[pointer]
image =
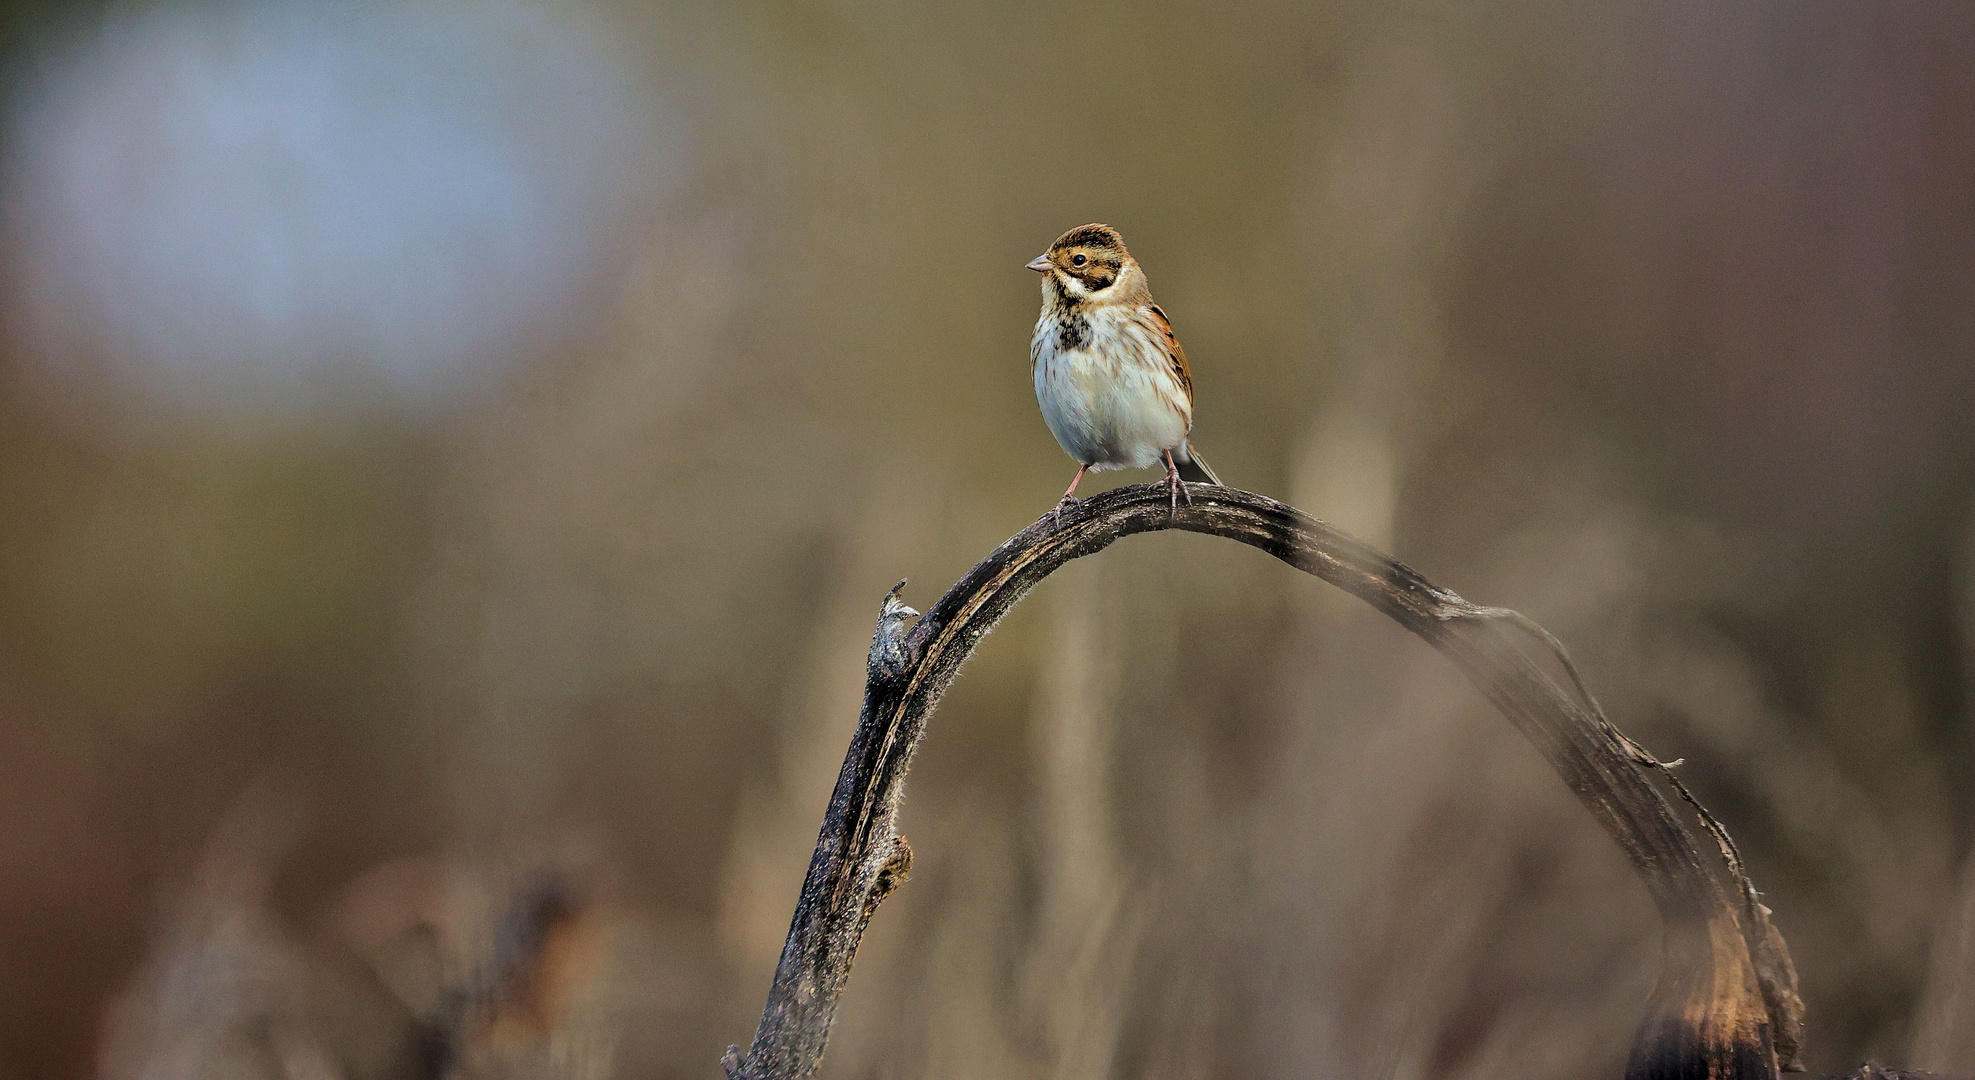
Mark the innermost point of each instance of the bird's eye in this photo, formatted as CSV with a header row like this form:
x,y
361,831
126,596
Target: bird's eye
x,y
1078,260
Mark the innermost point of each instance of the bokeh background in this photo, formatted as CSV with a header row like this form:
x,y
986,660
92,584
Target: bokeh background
x,y
452,452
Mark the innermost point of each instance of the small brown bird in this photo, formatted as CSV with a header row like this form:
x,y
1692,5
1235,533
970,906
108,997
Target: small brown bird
x,y
1110,376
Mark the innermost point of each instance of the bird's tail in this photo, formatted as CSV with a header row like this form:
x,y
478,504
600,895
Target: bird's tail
x,y
1195,471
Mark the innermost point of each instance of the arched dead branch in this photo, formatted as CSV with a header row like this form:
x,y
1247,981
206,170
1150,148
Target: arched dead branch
x,y
1726,1003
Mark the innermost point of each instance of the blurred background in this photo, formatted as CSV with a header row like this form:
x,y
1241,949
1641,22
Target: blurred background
x,y
452,453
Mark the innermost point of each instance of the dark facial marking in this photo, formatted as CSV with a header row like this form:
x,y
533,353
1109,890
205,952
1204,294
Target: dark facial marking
x,y
1098,270
1098,275
1061,295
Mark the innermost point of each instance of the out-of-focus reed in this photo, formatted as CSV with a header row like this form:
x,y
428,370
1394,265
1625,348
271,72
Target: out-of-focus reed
x,y
1646,319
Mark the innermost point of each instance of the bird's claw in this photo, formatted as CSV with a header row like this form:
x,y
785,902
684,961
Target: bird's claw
x,y
1179,491
1067,502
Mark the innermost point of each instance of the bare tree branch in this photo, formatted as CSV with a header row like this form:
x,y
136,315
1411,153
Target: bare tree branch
x,y
1726,1004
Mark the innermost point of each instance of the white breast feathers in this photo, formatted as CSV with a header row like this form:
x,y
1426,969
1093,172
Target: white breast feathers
x,y
1107,387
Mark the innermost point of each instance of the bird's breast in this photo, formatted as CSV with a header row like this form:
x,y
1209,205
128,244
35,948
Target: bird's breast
x,y
1107,388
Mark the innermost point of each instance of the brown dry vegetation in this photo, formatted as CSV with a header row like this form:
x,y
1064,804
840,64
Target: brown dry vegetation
x,y
513,720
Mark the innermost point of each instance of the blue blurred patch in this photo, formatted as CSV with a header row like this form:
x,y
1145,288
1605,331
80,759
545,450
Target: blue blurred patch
x,y
271,207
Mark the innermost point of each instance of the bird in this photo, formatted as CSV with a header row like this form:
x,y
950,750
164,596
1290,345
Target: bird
x,y
1109,372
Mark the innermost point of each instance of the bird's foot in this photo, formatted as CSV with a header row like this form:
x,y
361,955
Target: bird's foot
x,y
1067,502
1179,492
1177,485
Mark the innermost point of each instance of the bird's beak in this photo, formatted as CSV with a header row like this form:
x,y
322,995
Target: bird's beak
x,y
1040,264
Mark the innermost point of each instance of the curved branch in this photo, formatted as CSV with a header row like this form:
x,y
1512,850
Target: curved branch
x,y
1725,1005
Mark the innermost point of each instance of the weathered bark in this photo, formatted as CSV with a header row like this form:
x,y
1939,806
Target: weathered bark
x,y
1725,1005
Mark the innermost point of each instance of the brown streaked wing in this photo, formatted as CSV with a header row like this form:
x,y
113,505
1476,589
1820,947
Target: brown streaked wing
x,y
1173,351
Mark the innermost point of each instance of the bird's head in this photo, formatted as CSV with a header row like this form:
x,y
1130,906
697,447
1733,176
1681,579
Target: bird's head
x,y
1085,261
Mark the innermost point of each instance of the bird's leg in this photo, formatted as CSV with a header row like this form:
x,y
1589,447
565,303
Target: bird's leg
x,y
1070,493
1069,499
1178,485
